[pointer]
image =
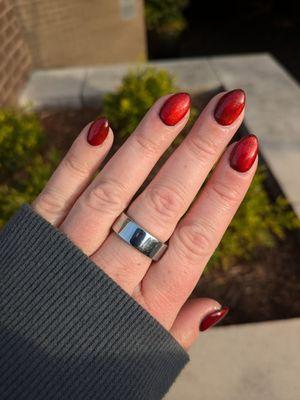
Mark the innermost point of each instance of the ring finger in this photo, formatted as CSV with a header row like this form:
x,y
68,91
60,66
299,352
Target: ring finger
x,y
161,205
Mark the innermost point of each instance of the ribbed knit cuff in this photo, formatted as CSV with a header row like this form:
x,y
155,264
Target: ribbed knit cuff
x,y
67,330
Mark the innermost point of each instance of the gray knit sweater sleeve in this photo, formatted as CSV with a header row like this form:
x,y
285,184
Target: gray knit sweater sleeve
x,y
67,330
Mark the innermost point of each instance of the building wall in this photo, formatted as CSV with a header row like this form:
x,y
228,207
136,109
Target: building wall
x,y
63,33
15,57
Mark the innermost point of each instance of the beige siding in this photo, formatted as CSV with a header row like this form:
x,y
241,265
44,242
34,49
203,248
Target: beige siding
x,y
64,33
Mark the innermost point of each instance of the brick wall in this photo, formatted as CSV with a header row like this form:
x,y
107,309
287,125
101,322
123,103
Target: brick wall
x,y
64,33
14,54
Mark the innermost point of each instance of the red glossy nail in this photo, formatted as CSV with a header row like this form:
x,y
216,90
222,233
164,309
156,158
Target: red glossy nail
x,y
230,106
244,153
175,108
213,318
98,132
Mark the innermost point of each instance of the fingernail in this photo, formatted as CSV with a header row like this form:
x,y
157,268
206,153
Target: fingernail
x,y
213,318
230,106
175,108
98,132
244,153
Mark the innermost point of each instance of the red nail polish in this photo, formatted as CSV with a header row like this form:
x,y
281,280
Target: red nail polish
x,y
244,153
98,131
230,106
213,318
175,108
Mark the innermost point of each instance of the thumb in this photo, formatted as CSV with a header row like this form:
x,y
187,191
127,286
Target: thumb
x,y
196,315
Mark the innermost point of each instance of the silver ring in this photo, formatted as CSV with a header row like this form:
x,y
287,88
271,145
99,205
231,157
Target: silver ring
x,y
135,235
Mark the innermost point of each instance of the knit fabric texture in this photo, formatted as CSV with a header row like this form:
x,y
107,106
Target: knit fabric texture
x,y
67,330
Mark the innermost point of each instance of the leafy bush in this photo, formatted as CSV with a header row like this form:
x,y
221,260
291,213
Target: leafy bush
x,y
257,224
165,16
20,137
139,90
24,171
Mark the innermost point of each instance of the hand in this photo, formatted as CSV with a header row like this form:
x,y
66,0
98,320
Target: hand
x,y
85,208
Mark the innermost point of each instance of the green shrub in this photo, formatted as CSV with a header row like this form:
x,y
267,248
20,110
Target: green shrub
x,y
139,90
20,137
257,224
165,16
24,170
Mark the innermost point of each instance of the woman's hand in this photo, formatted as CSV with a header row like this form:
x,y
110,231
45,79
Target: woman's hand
x,y
85,209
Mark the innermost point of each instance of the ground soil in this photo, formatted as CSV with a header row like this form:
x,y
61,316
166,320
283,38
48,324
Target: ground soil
x,y
265,289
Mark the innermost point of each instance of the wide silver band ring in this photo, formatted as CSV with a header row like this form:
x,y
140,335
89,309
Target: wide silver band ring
x,y
136,236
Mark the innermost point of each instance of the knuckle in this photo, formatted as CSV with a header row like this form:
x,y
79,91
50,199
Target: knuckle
x,y
77,167
193,242
106,196
48,203
166,202
227,194
144,144
201,147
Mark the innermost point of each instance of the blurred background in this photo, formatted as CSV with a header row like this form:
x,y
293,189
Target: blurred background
x,y
60,33
64,63
234,27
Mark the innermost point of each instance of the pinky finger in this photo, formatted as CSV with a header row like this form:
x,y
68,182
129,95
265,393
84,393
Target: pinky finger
x,y
75,172
196,315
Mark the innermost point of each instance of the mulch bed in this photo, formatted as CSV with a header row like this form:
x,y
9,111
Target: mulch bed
x,y
265,289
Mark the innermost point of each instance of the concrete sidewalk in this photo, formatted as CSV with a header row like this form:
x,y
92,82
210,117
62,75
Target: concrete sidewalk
x,y
243,362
